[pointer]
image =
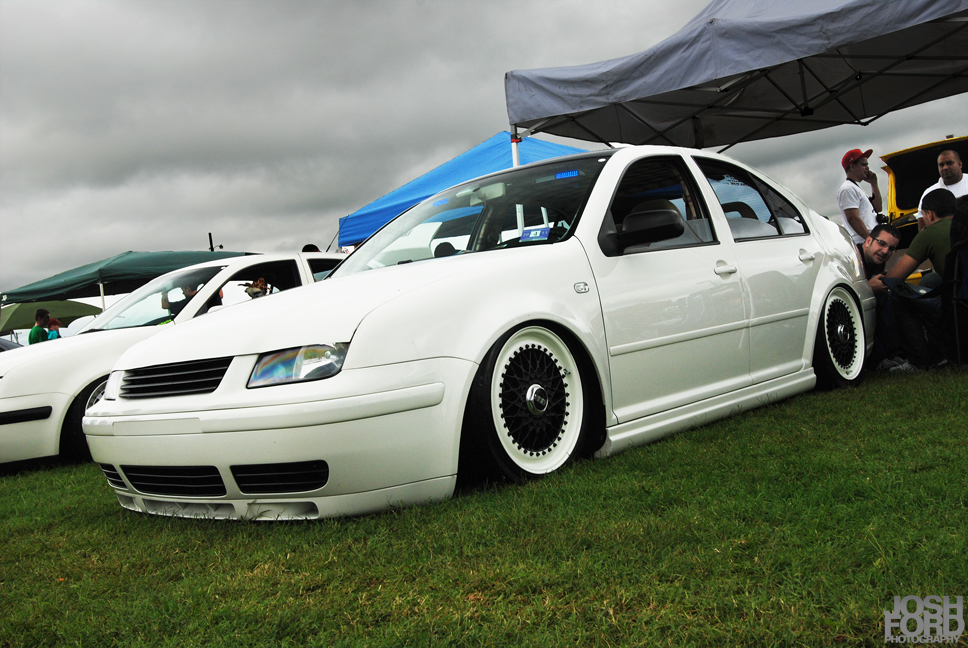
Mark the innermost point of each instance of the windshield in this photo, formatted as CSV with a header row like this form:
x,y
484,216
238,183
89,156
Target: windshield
x,y
156,302
533,205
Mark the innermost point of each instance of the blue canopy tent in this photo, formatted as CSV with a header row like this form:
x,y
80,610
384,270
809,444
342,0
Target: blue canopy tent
x,y
489,156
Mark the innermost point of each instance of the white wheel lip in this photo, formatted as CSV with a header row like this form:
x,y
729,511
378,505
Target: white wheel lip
x,y
853,370
557,457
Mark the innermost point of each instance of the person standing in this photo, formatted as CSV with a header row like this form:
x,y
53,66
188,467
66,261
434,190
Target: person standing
x,y
859,211
952,178
54,331
41,321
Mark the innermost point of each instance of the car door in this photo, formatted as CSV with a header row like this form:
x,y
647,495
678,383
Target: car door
x,y
778,258
675,311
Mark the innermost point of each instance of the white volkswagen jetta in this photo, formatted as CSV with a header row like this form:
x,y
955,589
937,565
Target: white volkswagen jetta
x,y
45,388
569,308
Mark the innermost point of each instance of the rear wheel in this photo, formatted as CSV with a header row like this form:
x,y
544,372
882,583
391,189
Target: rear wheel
x,y
528,410
838,356
73,443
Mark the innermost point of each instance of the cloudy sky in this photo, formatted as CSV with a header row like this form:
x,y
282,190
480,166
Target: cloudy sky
x,y
147,125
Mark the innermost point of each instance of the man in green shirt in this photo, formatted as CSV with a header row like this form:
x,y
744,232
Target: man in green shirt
x,y
918,319
41,322
934,241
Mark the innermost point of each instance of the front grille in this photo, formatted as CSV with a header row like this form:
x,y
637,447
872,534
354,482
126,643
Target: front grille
x,y
184,481
176,379
298,477
112,475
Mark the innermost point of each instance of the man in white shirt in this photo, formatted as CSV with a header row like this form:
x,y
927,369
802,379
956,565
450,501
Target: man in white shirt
x,y
952,179
859,211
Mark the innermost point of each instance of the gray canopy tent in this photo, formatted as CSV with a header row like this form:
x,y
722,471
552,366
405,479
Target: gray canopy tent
x,y
742,71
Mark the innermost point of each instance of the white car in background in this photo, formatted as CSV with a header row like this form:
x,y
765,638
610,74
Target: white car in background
x,y
572,307
45,388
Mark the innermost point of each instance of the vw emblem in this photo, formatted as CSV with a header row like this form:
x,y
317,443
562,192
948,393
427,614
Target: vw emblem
x,y
537,400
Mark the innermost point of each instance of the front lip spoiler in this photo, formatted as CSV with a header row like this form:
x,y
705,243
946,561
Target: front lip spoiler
x,y
24,415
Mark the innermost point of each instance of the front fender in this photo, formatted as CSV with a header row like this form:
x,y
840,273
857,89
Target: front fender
x,y
462,316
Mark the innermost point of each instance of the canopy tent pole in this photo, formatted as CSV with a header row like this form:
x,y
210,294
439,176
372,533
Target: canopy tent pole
x,y
515,140
101,286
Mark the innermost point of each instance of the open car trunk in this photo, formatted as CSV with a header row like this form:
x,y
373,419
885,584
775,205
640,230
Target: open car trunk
x,y
909,173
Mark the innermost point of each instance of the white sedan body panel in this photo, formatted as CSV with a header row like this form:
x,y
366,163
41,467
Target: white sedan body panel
x,y
53,374
677,324
676,336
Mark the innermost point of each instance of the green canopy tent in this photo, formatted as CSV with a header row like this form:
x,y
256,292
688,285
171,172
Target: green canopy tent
x,y
21,315
119,274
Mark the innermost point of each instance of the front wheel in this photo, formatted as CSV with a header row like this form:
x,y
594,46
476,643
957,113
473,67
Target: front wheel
x,y
838,355
527,412
73,443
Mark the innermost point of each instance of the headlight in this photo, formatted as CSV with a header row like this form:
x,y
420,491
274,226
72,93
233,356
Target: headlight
x,y
113,388
298,365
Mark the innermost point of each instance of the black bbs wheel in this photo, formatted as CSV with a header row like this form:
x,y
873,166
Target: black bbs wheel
x,y
527,408
838,356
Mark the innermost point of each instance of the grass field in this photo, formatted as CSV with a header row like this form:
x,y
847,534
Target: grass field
x,y
793,525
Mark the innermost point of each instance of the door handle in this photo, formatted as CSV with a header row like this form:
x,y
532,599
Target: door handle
x,y
725,269
807,256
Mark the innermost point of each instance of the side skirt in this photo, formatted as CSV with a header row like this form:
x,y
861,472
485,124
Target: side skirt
x,y
652,428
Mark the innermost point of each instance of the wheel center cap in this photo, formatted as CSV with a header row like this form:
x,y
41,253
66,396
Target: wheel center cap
x,y
537,400
843,333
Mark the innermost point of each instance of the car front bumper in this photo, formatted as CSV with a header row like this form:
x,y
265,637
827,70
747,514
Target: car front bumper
x,y
388,436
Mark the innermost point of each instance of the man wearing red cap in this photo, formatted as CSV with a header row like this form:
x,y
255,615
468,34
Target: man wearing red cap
x,y
859,211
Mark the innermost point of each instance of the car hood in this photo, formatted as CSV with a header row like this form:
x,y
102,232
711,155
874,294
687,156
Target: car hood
x,y
326,312
49,353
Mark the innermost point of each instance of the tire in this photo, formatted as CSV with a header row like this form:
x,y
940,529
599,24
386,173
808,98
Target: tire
x,y
73,443
839,352
530,409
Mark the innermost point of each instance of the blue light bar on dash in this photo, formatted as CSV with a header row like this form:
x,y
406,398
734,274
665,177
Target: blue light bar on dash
x,y
566,174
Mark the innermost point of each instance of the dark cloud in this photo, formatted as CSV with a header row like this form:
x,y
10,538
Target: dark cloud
x,y
147,125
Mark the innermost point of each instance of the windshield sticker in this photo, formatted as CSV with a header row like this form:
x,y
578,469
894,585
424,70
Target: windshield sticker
x,y
537,234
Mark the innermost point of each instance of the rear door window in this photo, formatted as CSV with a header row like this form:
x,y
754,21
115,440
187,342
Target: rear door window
x,y
753,209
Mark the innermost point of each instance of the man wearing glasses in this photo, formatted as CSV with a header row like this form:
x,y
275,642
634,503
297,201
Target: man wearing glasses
x,y
876,251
